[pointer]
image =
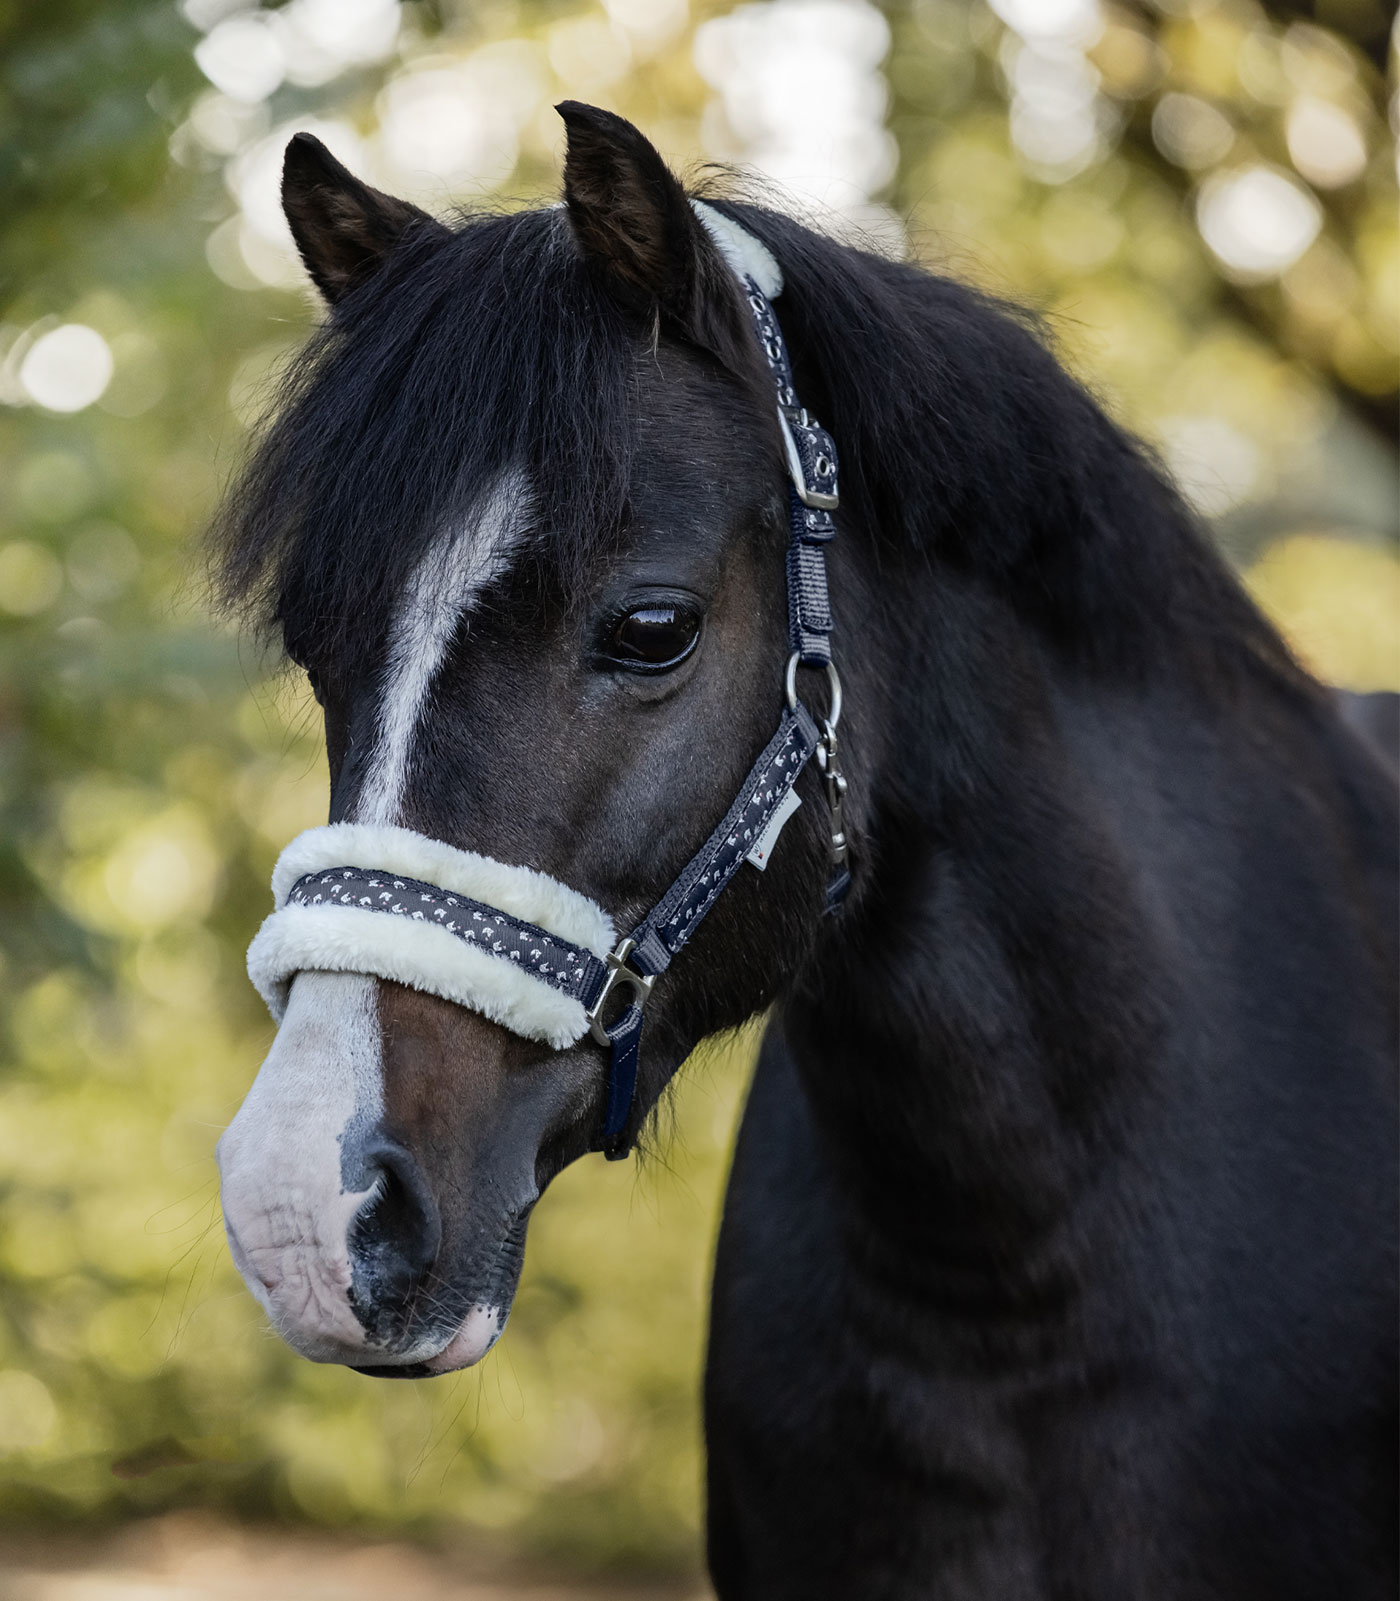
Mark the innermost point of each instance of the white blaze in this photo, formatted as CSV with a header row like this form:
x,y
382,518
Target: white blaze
x,y
448,578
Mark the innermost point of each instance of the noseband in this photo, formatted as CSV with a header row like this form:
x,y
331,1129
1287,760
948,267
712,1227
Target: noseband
x,y
518,946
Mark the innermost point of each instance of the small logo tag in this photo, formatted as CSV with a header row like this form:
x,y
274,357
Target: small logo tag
x,y
763,845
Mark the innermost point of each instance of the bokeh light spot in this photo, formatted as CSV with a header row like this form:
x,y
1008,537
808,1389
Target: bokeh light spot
x,y
27,1412
224,125
242,56
164,872
54,486
1190,131
651,23
1326,144
102,560
1338,602
67,368
320,39
444,126
1072,22
589,54
801,96
1214,464
1080,230
30,578
1256,220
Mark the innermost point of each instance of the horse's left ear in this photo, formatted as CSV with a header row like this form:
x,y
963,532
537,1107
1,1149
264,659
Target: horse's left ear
x,y
344,230
632,220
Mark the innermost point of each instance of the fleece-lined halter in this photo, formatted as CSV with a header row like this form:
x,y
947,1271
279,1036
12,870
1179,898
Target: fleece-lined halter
x,y
518,946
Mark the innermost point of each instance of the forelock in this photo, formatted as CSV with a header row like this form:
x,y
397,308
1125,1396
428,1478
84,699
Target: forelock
x,y
491,352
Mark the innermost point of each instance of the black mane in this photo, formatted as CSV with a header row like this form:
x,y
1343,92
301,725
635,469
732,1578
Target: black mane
x,y
959,433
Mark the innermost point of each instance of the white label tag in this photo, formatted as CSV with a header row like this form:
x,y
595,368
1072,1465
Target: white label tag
x,y
763,845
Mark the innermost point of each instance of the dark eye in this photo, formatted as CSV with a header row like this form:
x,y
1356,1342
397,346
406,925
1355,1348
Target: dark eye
x,y
653,638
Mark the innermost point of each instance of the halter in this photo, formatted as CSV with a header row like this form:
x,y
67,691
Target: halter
x,y
520,947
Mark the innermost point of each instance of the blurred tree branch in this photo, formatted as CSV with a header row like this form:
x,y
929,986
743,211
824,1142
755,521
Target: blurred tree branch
x,y
1347,40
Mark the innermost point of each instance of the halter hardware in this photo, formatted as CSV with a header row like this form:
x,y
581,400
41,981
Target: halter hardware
x,y
620,976
834,781
833,680
811,457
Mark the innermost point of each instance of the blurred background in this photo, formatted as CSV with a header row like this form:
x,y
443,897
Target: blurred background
x,y
1199,196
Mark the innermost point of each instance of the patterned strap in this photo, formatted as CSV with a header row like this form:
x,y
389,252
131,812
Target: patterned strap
x,y
560,964
812,464
668,926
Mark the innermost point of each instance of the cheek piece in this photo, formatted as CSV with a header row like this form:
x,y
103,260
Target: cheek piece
x,y
518,946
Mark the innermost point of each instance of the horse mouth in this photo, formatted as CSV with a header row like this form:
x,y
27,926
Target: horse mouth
x,y
477,1330
473,1339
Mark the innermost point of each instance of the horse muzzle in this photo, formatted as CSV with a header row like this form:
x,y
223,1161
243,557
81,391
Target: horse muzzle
x,y
333,1224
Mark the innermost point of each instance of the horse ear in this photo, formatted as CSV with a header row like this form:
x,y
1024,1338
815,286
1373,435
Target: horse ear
x,y
632,220
343,229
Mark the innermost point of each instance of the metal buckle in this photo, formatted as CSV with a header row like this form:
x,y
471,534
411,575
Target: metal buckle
x,y
790,417
619,975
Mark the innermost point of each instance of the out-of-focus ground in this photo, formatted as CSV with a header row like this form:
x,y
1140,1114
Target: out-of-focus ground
x,y
189,1557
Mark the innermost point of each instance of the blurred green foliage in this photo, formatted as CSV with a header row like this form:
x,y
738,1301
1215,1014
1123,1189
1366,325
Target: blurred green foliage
x,y
151,764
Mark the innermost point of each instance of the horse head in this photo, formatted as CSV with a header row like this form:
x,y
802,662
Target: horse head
x,y
522,520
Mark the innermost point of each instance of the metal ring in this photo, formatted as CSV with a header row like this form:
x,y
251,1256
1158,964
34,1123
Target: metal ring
x,y
833,678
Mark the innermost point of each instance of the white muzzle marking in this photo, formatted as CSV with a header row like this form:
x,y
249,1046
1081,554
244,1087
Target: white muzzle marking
x,y
283,1163
286,1208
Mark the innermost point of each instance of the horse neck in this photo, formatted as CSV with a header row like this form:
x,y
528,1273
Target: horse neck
x,y
983,1029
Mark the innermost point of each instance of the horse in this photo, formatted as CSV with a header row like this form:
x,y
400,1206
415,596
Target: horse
x,y
1058,1252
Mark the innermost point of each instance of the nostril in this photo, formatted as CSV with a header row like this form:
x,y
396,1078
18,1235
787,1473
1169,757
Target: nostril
x,y
395,1239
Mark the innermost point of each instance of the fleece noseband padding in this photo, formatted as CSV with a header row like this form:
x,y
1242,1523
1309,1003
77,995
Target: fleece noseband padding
x,y
465,927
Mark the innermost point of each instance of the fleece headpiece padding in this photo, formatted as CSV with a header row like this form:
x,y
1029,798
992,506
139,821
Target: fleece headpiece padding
x,y
747,257
344,939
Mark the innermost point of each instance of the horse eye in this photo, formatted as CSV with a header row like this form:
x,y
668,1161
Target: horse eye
x,y
653,638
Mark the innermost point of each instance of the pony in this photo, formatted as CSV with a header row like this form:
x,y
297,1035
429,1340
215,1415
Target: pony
x,y
1058,1252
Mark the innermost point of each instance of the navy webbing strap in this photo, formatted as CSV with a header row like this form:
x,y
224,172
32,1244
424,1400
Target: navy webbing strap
x,y
624,1049
809,608
812,494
